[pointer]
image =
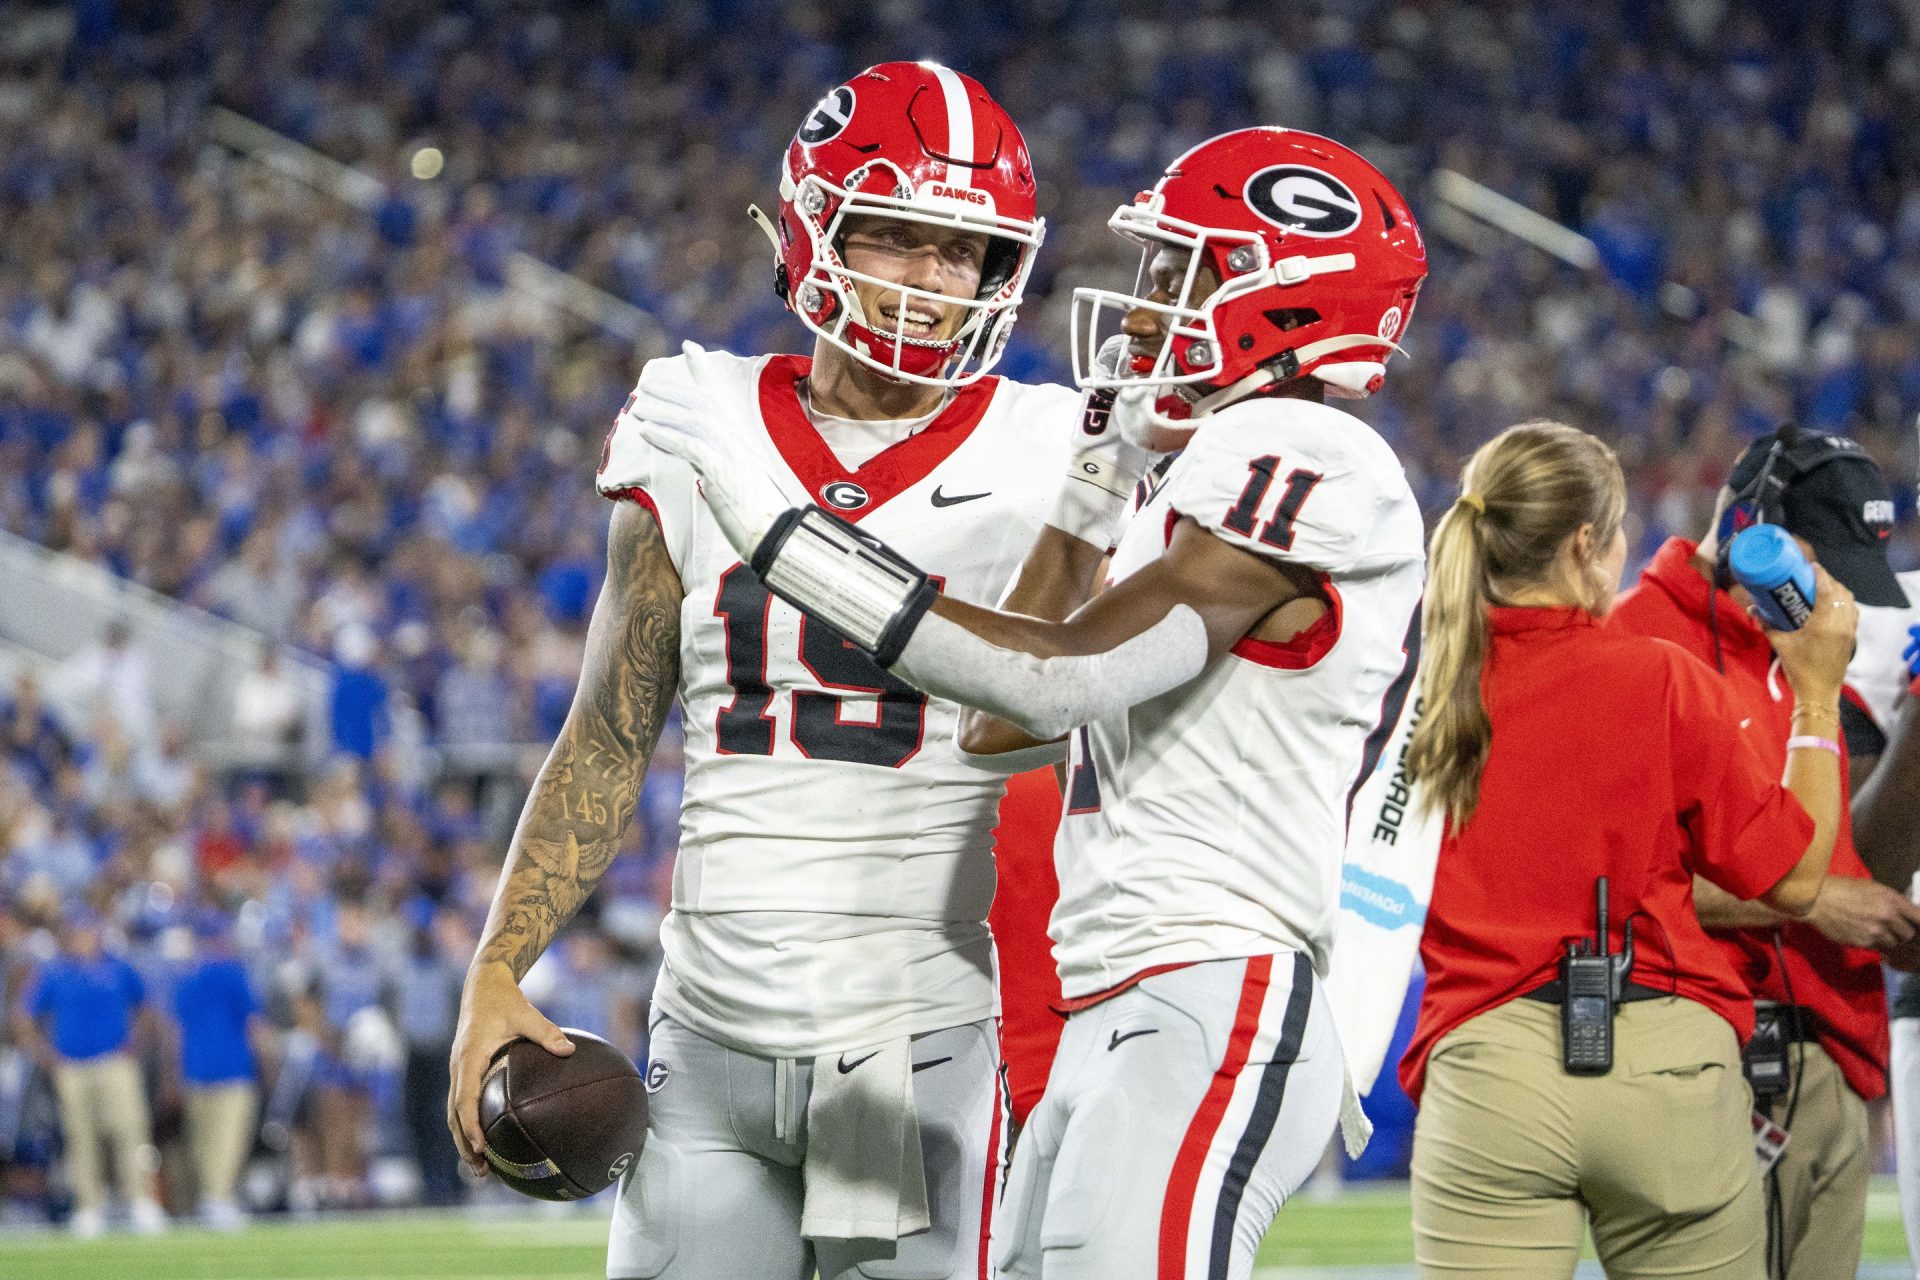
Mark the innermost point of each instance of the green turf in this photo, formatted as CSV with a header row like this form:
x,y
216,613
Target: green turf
x,y
1361,1227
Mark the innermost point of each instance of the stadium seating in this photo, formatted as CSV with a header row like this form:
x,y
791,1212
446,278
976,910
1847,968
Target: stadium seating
x,y
329,408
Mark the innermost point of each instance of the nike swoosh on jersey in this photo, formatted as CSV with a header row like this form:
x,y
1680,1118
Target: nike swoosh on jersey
x,y
846,1066
931,1062
1119,1039
942,500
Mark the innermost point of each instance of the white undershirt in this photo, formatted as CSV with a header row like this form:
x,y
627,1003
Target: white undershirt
x,y
858,441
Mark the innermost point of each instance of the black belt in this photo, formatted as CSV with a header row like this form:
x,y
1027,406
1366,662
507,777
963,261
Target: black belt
x,y
1555,992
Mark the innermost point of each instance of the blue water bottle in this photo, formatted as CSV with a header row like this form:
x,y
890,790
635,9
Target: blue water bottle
x,y
1768,563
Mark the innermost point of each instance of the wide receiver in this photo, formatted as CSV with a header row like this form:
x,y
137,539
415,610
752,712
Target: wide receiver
x,y
1223,695
822,1057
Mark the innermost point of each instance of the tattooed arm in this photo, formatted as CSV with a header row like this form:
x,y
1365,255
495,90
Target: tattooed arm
x,y
579,808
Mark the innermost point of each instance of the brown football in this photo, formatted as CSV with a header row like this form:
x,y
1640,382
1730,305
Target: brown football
x,y
562,1128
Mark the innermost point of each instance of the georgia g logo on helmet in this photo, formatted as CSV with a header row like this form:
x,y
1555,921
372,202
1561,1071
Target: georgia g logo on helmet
x,y
825,121
1308,201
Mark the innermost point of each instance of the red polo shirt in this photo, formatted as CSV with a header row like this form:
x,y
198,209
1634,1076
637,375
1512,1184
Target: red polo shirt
x,y
1841,984
1612,755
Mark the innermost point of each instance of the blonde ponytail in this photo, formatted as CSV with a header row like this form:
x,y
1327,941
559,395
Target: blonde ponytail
x,y
1522,495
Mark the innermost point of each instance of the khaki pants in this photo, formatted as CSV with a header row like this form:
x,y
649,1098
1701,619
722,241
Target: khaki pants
x,y
1512,1156
102,1098
220,1133
1822,1177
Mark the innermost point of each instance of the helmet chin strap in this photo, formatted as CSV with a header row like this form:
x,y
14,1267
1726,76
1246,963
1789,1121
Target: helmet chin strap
x,y
765,223
1351,379
1140,425
1278,370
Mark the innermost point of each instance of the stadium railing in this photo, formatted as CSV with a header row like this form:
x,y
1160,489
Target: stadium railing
x,y
57,604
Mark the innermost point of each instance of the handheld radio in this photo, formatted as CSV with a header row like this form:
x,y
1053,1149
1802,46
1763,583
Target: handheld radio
x,y
1592,980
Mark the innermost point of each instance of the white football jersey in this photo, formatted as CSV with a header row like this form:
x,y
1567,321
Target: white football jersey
x,y
1210,823
836,856
1878,673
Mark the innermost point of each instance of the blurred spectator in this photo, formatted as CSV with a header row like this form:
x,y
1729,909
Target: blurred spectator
x,y
269,713
108,679
33,741
166,775
80,1019
359,700
473,704
50,849
110,769
70,325
347,986
219,1020
261,588
425,987
578,985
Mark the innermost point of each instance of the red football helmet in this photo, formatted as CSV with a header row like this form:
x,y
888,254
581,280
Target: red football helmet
x,y
1318,261
921,143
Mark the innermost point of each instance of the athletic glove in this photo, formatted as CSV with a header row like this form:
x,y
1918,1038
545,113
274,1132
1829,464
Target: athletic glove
x,y
1105,469
678,417
1912,655
807,556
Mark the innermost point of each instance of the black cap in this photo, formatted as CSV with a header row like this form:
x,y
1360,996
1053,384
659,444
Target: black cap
x,y
1832,494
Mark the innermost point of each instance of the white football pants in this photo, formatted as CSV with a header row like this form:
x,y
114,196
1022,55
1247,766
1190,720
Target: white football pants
x,y
1180,1115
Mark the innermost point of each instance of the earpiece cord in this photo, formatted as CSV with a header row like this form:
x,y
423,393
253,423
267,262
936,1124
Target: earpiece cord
x,y
1673,969
1776,1209
1713,626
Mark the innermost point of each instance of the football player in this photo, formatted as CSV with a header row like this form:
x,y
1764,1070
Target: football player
x,y
1885,673
1223,695
823,1058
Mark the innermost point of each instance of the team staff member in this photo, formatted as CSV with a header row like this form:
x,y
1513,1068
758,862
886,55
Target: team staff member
x,y
1562,751
221,1029
87,1020
1819,979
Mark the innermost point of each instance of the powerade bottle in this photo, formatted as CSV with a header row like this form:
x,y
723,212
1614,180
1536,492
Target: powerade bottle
x,y
1767,561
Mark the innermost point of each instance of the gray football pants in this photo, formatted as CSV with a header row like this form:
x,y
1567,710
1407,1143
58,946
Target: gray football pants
x,y
718,1189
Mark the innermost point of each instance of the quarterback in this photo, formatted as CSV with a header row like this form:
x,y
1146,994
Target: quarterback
x,y
823,1057
1222,697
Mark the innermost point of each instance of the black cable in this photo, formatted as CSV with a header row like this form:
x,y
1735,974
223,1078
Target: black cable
x,y
1776,1208
1713,626
1776,1228
1673,967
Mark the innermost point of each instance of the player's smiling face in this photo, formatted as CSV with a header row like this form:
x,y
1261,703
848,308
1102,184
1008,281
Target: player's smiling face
x,y
1146,329
938,260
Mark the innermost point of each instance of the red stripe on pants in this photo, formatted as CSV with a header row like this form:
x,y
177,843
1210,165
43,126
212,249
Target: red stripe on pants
x,y
1176,1211
993,1172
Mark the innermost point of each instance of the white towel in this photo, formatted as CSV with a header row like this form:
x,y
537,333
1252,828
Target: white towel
x,y
866,1178
1387,880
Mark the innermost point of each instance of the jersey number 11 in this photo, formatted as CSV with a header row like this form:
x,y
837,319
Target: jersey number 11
x,y
1279,531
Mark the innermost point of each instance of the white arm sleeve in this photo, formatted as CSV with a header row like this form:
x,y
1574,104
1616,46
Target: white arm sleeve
x,y
1048,697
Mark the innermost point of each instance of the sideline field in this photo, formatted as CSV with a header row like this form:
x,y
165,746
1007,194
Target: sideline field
x,y
1362,1235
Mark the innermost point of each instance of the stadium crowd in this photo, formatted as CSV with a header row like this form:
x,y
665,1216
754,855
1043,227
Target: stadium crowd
x,y
345,430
